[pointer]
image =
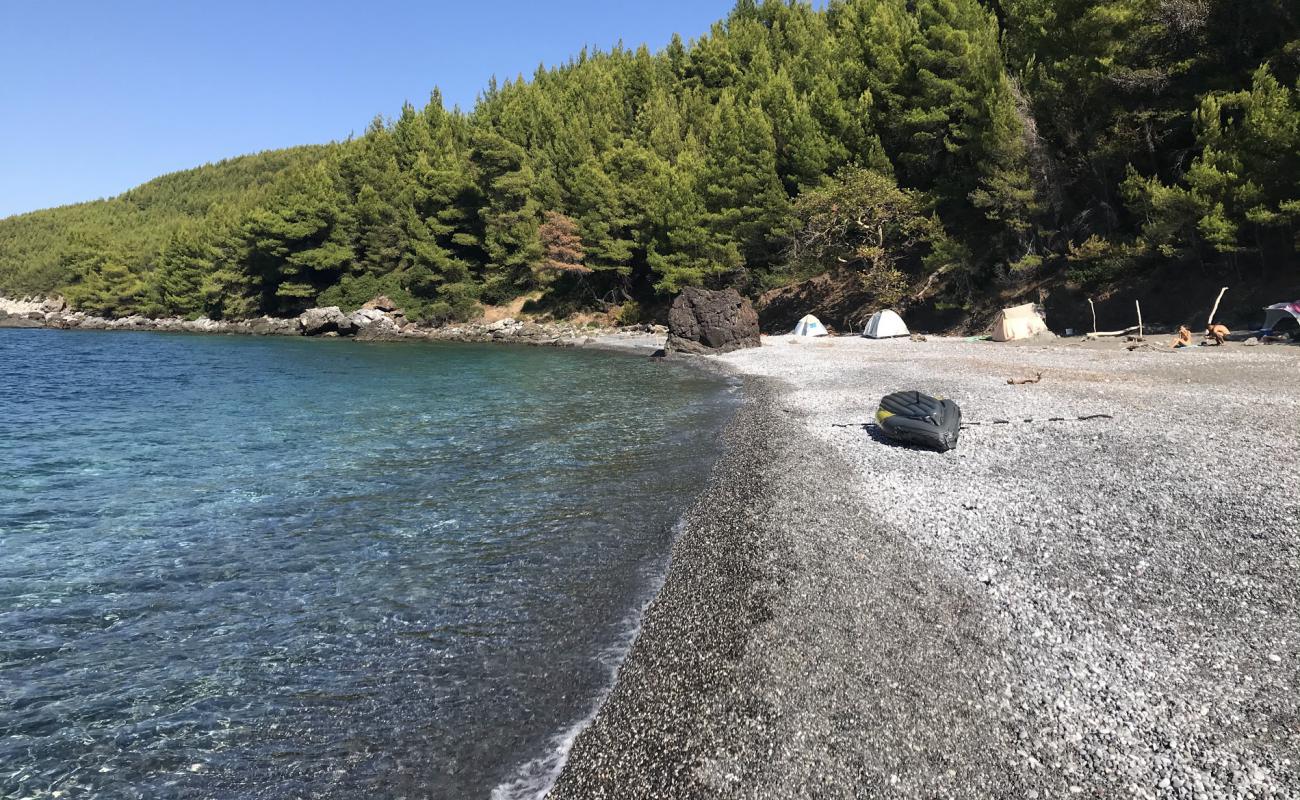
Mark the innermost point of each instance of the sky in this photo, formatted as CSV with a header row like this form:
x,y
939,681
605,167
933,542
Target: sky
x,y
97,96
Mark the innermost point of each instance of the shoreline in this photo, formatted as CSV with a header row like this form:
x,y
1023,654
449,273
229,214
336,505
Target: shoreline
x,y
362,326
1055,609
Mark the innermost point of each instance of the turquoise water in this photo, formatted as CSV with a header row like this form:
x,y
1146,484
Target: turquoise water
x,y
272,568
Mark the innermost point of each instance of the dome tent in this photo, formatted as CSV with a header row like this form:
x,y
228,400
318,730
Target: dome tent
x,y
885,325
1021,322
809,326
1280,311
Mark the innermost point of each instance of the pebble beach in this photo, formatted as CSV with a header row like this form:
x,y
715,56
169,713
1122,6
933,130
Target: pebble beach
x,y
1060,607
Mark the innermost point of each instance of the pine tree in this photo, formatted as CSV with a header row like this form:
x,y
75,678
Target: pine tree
x,y
511,216
686,251
748,210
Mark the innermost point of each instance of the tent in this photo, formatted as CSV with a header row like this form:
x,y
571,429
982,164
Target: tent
x,y
1277,313
1021,322
885,325
809,326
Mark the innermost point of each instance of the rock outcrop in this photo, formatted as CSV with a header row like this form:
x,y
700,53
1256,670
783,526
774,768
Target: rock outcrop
x,y
8,320
330,319
380,303
374,325
274,326
364,324
702,321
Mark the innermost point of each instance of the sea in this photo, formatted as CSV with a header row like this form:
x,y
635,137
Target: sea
x,y
239,567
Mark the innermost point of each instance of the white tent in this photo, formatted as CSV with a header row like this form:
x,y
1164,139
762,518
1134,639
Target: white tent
x,y
1021,322
885,325
809,326
1277,313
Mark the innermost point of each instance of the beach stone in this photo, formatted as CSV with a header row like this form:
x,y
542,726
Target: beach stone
x,y
54,305
330,319
704,321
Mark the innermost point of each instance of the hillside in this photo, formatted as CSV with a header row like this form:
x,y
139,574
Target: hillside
x,y
138,222
936,155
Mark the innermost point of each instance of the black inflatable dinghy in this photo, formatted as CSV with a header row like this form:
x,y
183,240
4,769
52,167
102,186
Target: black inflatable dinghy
x,y
920,419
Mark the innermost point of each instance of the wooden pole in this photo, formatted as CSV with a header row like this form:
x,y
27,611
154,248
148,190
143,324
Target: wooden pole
x,y
1215,310
1139,308
1094,315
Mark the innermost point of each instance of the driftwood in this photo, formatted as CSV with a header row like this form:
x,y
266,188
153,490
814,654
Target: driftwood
x,y
1094,316
1210,322
1124,332
1022,381
1139,308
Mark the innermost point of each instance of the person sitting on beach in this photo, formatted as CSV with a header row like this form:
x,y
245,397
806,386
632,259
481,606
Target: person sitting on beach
x,y
1219,333
1184,337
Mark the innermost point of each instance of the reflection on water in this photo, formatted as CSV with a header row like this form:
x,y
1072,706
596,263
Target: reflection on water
x,y
236,567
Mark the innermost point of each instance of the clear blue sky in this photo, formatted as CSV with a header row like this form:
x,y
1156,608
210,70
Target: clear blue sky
x,y
97,96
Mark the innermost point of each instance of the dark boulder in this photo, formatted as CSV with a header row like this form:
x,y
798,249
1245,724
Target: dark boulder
x,y
702,321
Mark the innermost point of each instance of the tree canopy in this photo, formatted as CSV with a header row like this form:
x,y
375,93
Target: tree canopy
x,y
1103,137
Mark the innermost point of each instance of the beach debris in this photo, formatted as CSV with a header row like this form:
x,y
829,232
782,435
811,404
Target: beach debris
x,y
1085,418
1024,381
1125,332
1215,310
918,337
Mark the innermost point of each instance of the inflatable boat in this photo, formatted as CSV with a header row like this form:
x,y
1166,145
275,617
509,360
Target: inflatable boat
x,y
919,419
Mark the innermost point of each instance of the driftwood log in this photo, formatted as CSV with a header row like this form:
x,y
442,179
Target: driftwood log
x,y
1022,381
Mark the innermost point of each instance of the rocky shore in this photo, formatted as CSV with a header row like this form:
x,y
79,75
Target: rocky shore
x,y
1058,608
375,322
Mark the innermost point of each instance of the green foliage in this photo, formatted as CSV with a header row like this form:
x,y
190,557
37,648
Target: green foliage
x,y
631,313
1242,192
862,222
1091,135
136,225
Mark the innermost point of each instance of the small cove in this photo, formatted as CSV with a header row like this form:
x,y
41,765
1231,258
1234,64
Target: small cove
x,y
248,567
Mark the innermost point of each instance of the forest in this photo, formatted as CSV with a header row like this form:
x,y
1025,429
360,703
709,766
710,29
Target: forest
x,y
919,151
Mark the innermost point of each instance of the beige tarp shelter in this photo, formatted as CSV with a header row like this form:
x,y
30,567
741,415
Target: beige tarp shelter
x,y
1021,322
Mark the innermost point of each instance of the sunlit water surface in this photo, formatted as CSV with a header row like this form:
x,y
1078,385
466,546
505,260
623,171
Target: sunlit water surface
x,y
239,567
